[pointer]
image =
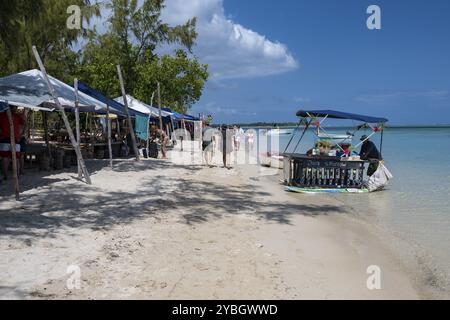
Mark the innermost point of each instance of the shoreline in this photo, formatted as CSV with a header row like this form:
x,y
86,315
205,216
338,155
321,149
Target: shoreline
x,y
428,278
165,230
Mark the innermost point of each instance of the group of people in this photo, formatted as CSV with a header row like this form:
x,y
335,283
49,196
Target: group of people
x,y
150,146
19,123
226,139
369,152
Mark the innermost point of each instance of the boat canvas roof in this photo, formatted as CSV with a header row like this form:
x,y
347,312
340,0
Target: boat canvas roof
x,y
332,114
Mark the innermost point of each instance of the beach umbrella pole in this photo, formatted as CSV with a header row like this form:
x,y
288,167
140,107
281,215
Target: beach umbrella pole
x,y
64,117
130,124
13,153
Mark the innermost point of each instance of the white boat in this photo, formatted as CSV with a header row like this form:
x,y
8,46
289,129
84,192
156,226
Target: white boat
x,y
272,160
279,132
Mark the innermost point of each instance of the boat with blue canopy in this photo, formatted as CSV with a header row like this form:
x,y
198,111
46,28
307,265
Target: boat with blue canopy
x,y
332,165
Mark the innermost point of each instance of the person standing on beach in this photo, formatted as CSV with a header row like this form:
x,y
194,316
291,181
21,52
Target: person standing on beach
x,y
164,140
250,140
208,143
226,144
237,134
5,138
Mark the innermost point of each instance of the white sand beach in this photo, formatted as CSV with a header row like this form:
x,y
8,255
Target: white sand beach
x,y
167,230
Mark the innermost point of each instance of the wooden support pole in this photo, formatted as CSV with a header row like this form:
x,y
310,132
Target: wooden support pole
x,y
77,124
13,152
87,123
32,126
45,125
159,107
130,124
46,138
148,134
64,116
173,128
108,123
118,128
148,125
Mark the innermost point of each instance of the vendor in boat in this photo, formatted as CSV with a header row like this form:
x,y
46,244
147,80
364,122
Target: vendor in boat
x,y
369,152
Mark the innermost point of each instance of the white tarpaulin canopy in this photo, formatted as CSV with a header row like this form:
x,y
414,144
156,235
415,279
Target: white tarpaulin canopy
x,y
29,89
142,107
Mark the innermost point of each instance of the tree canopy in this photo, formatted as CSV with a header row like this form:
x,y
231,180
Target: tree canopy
x,y
132,39
41,23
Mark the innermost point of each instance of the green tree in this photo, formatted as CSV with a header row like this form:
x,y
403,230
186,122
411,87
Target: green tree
x,y
98,67
42,23
135,33
182,80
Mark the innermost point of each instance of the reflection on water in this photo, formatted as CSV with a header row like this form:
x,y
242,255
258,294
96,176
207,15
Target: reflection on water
x,y
416,205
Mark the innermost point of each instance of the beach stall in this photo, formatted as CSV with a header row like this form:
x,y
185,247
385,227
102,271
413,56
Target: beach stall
x,y
29,91
184,121
332,164
143,129
150,111
138,115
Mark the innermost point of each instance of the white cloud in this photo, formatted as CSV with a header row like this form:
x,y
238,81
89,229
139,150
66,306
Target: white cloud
x,y
231,50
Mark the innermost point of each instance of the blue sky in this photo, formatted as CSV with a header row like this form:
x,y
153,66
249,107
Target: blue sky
x,y
269,59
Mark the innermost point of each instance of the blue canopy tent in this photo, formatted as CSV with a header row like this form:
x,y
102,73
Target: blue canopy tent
x,y
3,106
116,107
179,116
191,118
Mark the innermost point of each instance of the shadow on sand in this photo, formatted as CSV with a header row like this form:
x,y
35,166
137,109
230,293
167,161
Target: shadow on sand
x,y
77,205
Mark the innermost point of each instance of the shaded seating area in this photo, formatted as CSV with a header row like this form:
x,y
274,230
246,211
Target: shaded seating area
x,y
47,140
52,111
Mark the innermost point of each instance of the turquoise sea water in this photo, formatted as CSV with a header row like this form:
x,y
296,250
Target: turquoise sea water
x,y
416,205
